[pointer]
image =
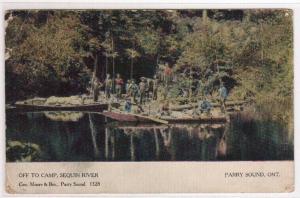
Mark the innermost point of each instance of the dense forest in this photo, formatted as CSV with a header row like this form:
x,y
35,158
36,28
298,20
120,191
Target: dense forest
x,y
56,52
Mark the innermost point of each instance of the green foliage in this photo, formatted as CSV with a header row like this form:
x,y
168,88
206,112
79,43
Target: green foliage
x,y
258,50
46,57
132,53
54,52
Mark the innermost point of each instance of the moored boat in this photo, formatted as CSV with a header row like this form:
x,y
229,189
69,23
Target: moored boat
x,y
198,119
83,107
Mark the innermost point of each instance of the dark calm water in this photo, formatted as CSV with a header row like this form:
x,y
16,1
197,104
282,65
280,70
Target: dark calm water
x,y
65,136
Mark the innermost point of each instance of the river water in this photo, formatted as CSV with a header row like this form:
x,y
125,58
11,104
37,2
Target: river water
x,y
77,136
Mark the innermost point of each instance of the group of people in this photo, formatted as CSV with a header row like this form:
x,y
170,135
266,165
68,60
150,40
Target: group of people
x,y
138,93
204,106
147,89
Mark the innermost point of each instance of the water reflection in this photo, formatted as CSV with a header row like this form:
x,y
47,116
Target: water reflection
x,y
64,116
91,138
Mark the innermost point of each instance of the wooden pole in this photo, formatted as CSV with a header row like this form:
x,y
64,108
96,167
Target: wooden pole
x,y
262,44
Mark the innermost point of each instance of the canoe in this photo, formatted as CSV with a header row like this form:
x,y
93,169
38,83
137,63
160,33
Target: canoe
x,y
84,107
198,119
230,104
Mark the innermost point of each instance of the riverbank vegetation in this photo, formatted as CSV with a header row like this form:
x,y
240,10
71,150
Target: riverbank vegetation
x,y
56,52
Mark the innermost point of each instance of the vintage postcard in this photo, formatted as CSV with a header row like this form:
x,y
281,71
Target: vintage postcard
x,y
149,101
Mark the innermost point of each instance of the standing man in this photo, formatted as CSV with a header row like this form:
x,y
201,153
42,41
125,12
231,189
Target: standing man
x,y
90,88
223,96
190,86
108,86
128,87
119,83
148,87
133,90
155,87
200,88
142,86
167,74
96,88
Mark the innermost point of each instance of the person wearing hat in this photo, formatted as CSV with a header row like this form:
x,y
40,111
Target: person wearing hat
x,y
223,96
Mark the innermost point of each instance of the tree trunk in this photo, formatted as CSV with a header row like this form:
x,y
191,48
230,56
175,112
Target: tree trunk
x,y
95,65
157,62
106,66
113,65
262,44
131,69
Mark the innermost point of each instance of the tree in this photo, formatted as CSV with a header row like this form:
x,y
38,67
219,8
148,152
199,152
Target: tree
x,y
45,54
132,54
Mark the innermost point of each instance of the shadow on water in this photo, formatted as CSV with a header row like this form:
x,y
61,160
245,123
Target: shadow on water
x,y
77,136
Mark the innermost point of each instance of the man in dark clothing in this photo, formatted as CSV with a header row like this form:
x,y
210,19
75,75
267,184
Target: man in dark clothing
x,y
204,106
119,84
128,105
96,88
108,86
167,75
143,87
133,90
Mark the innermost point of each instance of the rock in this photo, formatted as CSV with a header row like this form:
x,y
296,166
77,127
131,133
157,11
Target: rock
x,y
72,100
51,100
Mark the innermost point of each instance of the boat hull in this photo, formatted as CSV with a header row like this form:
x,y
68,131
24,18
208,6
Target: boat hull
x,y
89,107
200,119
